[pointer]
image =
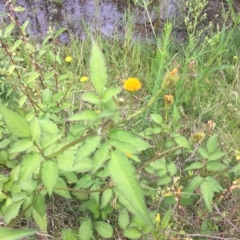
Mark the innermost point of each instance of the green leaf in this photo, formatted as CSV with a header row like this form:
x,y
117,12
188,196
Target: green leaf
x,y
16,124
13,234
40,221
98,71
35,129
166,219
216,155
164,180
100,156
68,235
46,96
85,230
180,140
212,144
235,169
40,206
132,233
123,218
203,152
157,118
207,193
19,9
5,142
110,93
87,147
195,182
48,126
29,164
29,185
16,45
123,146
123,175
31,76
196,165
106,197
215,166
128,137
214,184
61,184
8,30
90,97
104,229
12,211
21,145
48,140
49,175
85,115
172,168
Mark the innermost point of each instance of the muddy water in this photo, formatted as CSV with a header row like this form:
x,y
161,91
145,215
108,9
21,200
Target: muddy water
x,y
81,18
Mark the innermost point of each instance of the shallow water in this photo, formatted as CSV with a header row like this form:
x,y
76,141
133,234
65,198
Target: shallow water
x,y
86,17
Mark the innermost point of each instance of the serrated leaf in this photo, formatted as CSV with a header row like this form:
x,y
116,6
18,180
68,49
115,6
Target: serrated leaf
x,y
21,145
90,97
48,126
216,155
100,156
29,185
180,140
40,221
128,137
98,70
86,230
5,142
215,166
66,160
106,197
172,168
48,140
35,129
166,219
87,147
68,235
207,193
86,115
31,76
29,164
13,234
195,182
164,180
49,175
16,124
203,152
12,211
196,165
132,233
214,184
61,184
84,182
40,206
46,96
16,45
109,93
123,218
212,144
104,229
157,118
123,146
123,175
235,169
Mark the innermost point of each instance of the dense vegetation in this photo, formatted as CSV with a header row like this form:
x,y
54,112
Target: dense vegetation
x,y
121,139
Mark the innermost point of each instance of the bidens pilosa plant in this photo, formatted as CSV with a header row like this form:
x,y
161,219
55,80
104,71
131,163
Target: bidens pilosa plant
x,y
93,156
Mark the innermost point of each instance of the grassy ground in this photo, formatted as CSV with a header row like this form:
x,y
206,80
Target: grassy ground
x,y
206,96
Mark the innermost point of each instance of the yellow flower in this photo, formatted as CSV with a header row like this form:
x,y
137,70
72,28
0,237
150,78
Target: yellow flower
x,y
68,59
83,79
132,84
170,78
235,57
158,218
198,137
128,154
98,111
168,100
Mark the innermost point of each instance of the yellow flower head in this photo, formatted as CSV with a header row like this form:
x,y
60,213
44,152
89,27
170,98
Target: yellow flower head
x,y
170,79
158,218
83,79
198,137
235,57
132,84
168,100
68,59
128,154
